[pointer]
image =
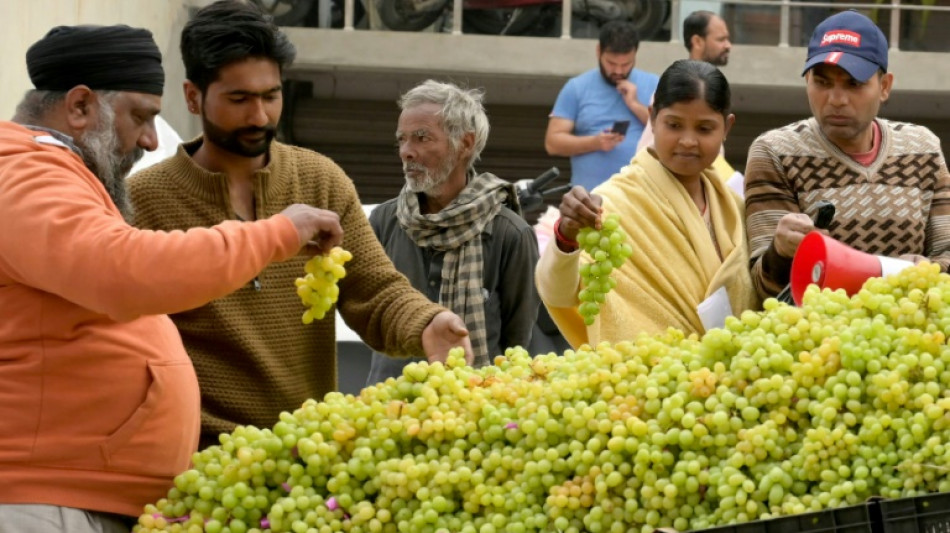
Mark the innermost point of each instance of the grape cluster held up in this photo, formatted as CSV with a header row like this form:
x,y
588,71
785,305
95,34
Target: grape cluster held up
x,y
318,290
608,249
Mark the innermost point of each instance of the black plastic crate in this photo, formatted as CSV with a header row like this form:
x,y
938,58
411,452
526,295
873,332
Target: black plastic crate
x,y
929,513
852,519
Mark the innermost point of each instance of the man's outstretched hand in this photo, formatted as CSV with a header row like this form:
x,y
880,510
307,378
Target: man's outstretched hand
x,y
319,229
446,331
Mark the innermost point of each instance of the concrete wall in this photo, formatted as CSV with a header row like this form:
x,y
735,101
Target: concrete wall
x,y
766,82
379,65
523,69
26,21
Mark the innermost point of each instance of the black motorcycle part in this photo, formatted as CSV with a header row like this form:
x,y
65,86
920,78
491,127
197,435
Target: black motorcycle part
x,y
286,12
516,21
400,15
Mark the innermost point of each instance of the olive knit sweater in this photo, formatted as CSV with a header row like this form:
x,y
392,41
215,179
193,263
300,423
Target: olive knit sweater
x,y
253,355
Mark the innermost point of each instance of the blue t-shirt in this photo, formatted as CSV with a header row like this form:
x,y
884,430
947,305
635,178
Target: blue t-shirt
x,y
593,105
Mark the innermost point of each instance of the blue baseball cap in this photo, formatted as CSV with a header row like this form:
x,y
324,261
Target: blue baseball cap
x,y
851,41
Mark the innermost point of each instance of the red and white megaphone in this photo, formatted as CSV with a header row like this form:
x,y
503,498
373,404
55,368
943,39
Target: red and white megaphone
x,y
834,265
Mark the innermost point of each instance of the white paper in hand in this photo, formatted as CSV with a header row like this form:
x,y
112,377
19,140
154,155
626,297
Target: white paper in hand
x,y
714,310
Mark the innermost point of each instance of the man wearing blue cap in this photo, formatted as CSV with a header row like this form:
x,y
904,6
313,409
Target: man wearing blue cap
x,y
888,180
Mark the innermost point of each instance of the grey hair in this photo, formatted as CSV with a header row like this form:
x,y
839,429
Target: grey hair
x,y
36,105
462,112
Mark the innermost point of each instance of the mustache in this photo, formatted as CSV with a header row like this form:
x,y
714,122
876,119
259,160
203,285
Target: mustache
x,y
413,166
270,130
135,155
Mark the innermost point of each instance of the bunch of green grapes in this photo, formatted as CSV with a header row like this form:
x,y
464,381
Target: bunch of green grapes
x,y
318,290
784,411
608,249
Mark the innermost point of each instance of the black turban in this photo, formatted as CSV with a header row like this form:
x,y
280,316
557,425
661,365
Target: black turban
x,y
116,58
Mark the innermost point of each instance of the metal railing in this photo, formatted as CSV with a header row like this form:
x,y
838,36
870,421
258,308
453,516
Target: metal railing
x,y
785,7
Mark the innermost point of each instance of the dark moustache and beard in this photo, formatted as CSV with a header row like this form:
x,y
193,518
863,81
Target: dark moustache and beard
x,y
611,80
232,141
720,61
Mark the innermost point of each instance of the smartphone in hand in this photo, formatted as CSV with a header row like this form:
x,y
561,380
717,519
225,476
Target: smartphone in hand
x,y
620,126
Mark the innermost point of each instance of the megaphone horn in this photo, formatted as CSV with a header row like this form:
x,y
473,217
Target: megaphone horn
x,y
831,264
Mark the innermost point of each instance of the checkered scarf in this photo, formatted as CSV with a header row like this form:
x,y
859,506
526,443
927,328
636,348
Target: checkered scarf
x,y
456,230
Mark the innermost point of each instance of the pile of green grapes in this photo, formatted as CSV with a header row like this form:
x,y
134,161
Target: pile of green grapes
x,y
318,290
784,411
608,249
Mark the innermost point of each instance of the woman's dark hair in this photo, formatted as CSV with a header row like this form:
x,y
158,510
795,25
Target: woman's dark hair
x,y
226,32
687,80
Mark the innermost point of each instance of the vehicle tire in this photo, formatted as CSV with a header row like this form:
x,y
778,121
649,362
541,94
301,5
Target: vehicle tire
x,y
398,15
360,17
496,21
286,12
649,17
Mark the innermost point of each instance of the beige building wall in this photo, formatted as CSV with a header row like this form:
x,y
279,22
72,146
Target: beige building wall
x,y
23,22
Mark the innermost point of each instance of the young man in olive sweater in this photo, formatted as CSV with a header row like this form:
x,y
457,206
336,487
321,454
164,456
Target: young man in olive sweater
x,y
253,356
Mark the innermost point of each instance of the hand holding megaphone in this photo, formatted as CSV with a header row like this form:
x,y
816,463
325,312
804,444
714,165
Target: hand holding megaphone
x,y
792,229
831,264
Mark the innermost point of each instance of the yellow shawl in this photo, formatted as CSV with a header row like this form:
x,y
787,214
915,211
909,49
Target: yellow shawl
x,y
674,266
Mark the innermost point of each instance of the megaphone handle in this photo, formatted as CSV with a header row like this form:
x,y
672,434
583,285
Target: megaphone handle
x,y
824,214
785,295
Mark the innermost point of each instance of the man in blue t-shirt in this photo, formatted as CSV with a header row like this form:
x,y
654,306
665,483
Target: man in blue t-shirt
x,y
582,122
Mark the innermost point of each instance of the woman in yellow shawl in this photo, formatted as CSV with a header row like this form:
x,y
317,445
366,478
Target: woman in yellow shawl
x,y
685,225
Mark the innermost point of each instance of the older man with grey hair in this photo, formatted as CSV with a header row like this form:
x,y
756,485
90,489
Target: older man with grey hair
x,y
457,234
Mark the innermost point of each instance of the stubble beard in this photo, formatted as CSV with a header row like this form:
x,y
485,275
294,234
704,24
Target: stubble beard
x,y
610,80
719,61
431,181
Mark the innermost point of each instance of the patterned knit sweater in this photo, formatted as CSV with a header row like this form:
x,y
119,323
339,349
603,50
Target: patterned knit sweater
x,y
900,204
253,356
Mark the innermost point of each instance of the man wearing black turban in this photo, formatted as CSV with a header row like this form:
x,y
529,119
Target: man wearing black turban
x,y
117,58
117,68
99,402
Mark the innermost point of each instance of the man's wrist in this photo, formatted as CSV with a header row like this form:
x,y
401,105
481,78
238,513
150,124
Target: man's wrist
x,y
639,110
594,143
775,266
